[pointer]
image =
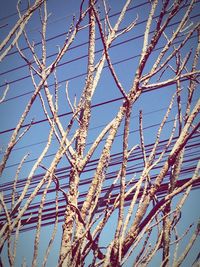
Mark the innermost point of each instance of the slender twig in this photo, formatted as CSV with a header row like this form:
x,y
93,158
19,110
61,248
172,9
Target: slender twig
x,y
18,29
16,179
4,93
108,57
53,235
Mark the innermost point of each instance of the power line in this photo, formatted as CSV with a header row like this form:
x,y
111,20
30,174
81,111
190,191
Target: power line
x,y
49,216
136,167
84,56
54,54
64,33
90,143
99,126
12,15
81,74
116,159
49,208
110,16
136,156
30,218
70,112
63,114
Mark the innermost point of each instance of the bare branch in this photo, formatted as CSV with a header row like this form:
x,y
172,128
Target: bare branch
x,y
4,93
107,56
19,25
16,179
188,247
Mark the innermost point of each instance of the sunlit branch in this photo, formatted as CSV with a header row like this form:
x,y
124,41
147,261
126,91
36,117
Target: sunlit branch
x,y
4,93
18,29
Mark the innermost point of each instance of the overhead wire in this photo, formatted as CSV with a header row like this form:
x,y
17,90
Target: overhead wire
x,y
49,208
135,168
70,112
54,54
29,223
85,56
47,216
116,158
98,126
14,13
110,16
90,143
29,220
82,74
64,33
74,77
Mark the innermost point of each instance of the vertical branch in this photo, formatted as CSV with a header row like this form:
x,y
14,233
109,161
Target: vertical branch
x,y
166,221
4,93
188,247
146,34
175,172
118,237
193,83
38,229
95,187
16,179
70,215
53,233
16,240
142,139
87,93
44,28
9,231
153,151
178,96
176,245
